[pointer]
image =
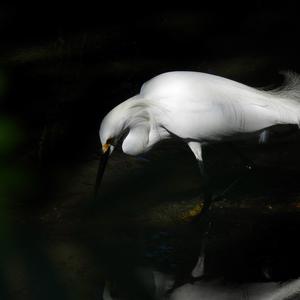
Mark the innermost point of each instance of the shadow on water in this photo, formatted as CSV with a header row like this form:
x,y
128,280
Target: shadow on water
x,y
252,237
63,75
147,217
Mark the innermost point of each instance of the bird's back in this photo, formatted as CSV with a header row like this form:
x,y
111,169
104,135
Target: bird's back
x,y
188,83
202,106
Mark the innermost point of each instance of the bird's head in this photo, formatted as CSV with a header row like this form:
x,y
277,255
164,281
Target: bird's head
x,y
128,122
110,131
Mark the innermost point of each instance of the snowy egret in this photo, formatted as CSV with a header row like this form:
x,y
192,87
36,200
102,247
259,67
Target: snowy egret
x,y
199,109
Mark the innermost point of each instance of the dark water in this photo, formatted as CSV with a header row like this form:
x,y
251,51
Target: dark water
x,y
61,69
139,222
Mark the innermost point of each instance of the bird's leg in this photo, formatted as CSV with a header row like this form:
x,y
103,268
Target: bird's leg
x,y
196,148
207,193
198,270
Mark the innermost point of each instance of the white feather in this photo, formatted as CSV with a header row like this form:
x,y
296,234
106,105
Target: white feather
x,y
201,108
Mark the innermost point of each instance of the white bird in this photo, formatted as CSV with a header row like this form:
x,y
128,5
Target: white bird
x,y
199,109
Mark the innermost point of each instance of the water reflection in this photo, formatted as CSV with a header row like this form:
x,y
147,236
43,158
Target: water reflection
x,y
137,242
214,290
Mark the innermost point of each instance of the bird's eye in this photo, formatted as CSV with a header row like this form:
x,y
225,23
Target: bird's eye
x,y
110,141
118,140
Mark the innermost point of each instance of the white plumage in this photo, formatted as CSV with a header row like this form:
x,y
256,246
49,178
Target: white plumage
x,y
199,108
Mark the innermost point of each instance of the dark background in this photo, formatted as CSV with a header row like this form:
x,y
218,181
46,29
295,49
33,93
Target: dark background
x,y
62,68
67,66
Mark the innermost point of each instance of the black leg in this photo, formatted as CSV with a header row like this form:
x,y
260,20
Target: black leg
x,y
207,193
199,272
205,218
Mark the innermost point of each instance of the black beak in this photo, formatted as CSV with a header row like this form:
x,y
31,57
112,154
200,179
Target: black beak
x,y
101,168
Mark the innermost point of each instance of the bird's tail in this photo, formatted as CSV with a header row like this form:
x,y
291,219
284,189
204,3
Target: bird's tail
x,y
288,96
290,89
